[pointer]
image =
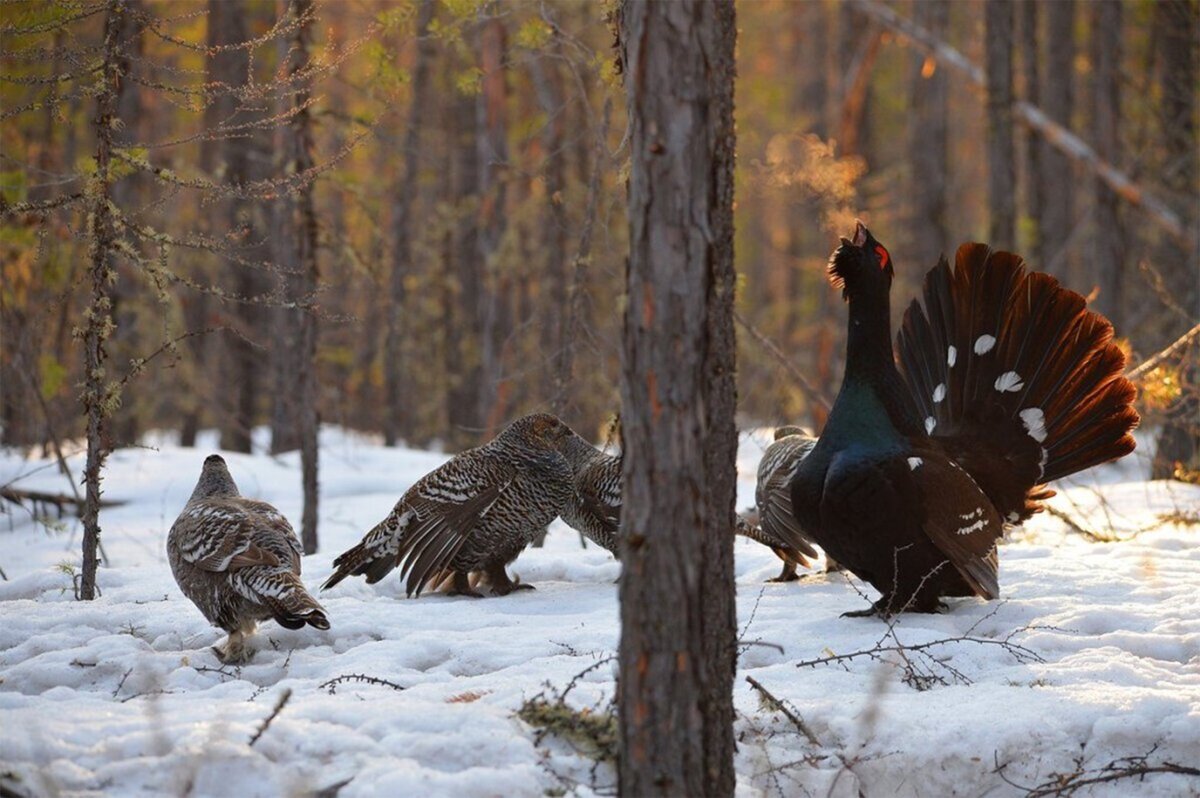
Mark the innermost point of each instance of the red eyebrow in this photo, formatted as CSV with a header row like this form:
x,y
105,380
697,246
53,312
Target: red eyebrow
x,y
883,256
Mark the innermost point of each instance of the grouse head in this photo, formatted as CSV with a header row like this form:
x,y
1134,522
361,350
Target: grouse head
x,y
861,266
541,429
788,431
215,479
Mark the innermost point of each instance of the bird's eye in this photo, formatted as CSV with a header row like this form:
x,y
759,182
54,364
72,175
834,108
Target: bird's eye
x,y
883,257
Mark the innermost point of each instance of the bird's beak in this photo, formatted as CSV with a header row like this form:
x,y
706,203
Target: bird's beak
x,y
860,233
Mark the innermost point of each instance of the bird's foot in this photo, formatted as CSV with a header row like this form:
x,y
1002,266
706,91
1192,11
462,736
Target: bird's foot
x,y
473,593
462,586
788,574
502,585
234,651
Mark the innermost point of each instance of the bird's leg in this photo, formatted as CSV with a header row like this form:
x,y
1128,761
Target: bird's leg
x,y
880,609
788,574
501,584
235,651
462,586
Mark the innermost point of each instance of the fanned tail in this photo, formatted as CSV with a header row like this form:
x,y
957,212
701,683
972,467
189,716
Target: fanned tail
x,y
1015,376
374,557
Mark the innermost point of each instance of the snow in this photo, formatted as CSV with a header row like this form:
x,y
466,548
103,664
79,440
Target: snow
x,y
124,696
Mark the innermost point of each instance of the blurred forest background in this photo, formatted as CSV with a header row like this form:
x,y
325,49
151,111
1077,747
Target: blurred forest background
x,y
407,216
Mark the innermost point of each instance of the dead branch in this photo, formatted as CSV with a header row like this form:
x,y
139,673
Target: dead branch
x,y
332,684
812,393
1150,363
1058,136
59,500
284,697
779,706
1130,767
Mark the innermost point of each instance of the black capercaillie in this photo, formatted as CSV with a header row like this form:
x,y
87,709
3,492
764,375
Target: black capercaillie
x,y
1005,382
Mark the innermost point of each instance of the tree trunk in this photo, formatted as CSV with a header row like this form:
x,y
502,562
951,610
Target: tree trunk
x,y
677,651
1027,24
548,86
126,193
228,25
402,223
928,142
998,73
1108,239
1057,219
98,327
302,264
492,137
462,317
1177,22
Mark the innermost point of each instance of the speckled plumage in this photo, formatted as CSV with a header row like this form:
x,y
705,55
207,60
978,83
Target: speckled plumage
x,y
238,561
777,527
476,512
594,507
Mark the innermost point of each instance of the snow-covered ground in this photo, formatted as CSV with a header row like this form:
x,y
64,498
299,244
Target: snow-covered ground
x,y
123,695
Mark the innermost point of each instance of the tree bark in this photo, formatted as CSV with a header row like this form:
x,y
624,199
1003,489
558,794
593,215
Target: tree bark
x,y
228,25
98,326
1027,24
303,243
461,310
1057,218
492,132
928,136
402,224
1178,22
1108,239
677,651
998,73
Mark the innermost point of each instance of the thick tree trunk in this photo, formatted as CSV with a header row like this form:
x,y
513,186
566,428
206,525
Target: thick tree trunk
x,y
98,327
1057,219
402,224
928,141
998,73
677,652
1108,238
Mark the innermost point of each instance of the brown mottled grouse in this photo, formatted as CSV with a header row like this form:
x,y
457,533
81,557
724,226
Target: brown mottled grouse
x,y
473,513
777,527
594,508
238,560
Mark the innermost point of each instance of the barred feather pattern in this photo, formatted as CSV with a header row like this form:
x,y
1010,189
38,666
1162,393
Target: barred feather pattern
x,y
1013,375
778,527
476,512
594,507
238,560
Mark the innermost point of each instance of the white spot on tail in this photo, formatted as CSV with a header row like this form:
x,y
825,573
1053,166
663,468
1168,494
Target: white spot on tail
x,y
1045,457
930,424
1009,381
1014,516
977,512
939,393
1035,423
951,357
984,344
914,463
975,527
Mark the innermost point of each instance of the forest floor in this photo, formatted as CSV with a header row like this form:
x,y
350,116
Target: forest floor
x,y
1086,674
